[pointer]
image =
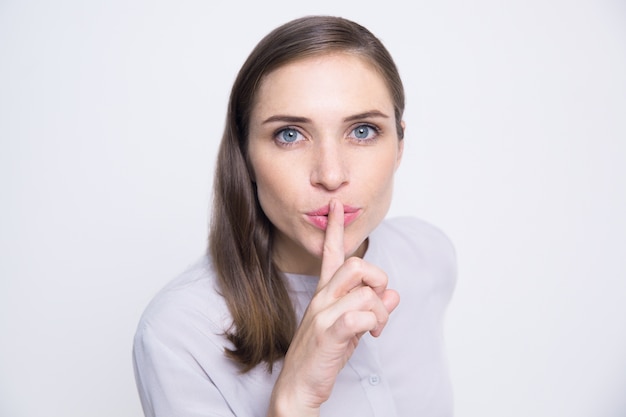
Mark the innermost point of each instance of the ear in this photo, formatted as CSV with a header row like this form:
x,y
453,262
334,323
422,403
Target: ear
x,y
401,145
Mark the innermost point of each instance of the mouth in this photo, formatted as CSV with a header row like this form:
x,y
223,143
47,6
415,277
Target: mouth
x,y
319,217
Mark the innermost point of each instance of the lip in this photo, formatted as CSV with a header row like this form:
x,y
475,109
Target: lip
x,y
319,217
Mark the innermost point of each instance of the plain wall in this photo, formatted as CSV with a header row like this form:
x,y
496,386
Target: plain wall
x,y
110,116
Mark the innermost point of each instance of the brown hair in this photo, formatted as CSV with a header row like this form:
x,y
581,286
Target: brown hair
x,y
240,240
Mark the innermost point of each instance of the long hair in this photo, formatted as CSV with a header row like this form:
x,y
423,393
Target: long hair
x,y
240,239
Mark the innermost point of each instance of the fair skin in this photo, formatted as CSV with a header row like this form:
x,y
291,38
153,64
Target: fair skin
x,y
323,150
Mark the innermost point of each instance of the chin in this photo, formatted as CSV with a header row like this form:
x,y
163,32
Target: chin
x,y
352,248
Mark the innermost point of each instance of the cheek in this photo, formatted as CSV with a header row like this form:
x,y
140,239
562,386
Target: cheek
x,y
266,190
262,171
275,186
379,172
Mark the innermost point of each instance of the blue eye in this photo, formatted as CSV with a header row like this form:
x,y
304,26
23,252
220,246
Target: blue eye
x,y
362,132
288,135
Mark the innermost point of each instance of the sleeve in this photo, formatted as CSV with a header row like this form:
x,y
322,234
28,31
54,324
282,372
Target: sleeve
x,y
427,249
422,266
170,382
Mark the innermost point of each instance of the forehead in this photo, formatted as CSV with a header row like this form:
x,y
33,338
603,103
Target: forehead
x,y
338,81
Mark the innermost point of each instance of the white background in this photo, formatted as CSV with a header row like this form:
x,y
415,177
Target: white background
x,y
110,115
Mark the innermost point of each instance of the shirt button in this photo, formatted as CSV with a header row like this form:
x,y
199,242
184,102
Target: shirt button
x,y
374,379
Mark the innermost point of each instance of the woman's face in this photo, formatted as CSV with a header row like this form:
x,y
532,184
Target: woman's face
x,y
322,127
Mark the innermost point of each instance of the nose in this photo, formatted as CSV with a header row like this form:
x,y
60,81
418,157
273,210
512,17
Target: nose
x,y
330,166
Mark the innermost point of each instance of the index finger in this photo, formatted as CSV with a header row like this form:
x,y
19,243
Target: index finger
x,y
333,254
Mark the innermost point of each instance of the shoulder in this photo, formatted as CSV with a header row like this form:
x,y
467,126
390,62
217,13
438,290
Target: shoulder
x,y
410,234
408,246
178,349
187,305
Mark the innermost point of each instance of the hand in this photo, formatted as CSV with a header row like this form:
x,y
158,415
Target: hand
x,y
351,299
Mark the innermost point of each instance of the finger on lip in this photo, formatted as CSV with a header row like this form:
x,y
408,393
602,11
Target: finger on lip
x,y
325,210
333,253
320,217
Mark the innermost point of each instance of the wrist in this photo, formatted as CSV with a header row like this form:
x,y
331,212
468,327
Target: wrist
x,y
286,403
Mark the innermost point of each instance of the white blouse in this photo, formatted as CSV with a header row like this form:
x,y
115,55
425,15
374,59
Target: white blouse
x,y
181,369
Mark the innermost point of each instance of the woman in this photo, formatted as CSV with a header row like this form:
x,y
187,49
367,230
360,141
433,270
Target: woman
x,y
292,311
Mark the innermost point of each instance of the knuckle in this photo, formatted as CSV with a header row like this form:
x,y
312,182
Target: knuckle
x,y
350,320
383,318
320,324
366,295
385,278
355,265
315,303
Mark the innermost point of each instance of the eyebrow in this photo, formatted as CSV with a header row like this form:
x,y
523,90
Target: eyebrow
x,y
295,119
366,115
286,119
